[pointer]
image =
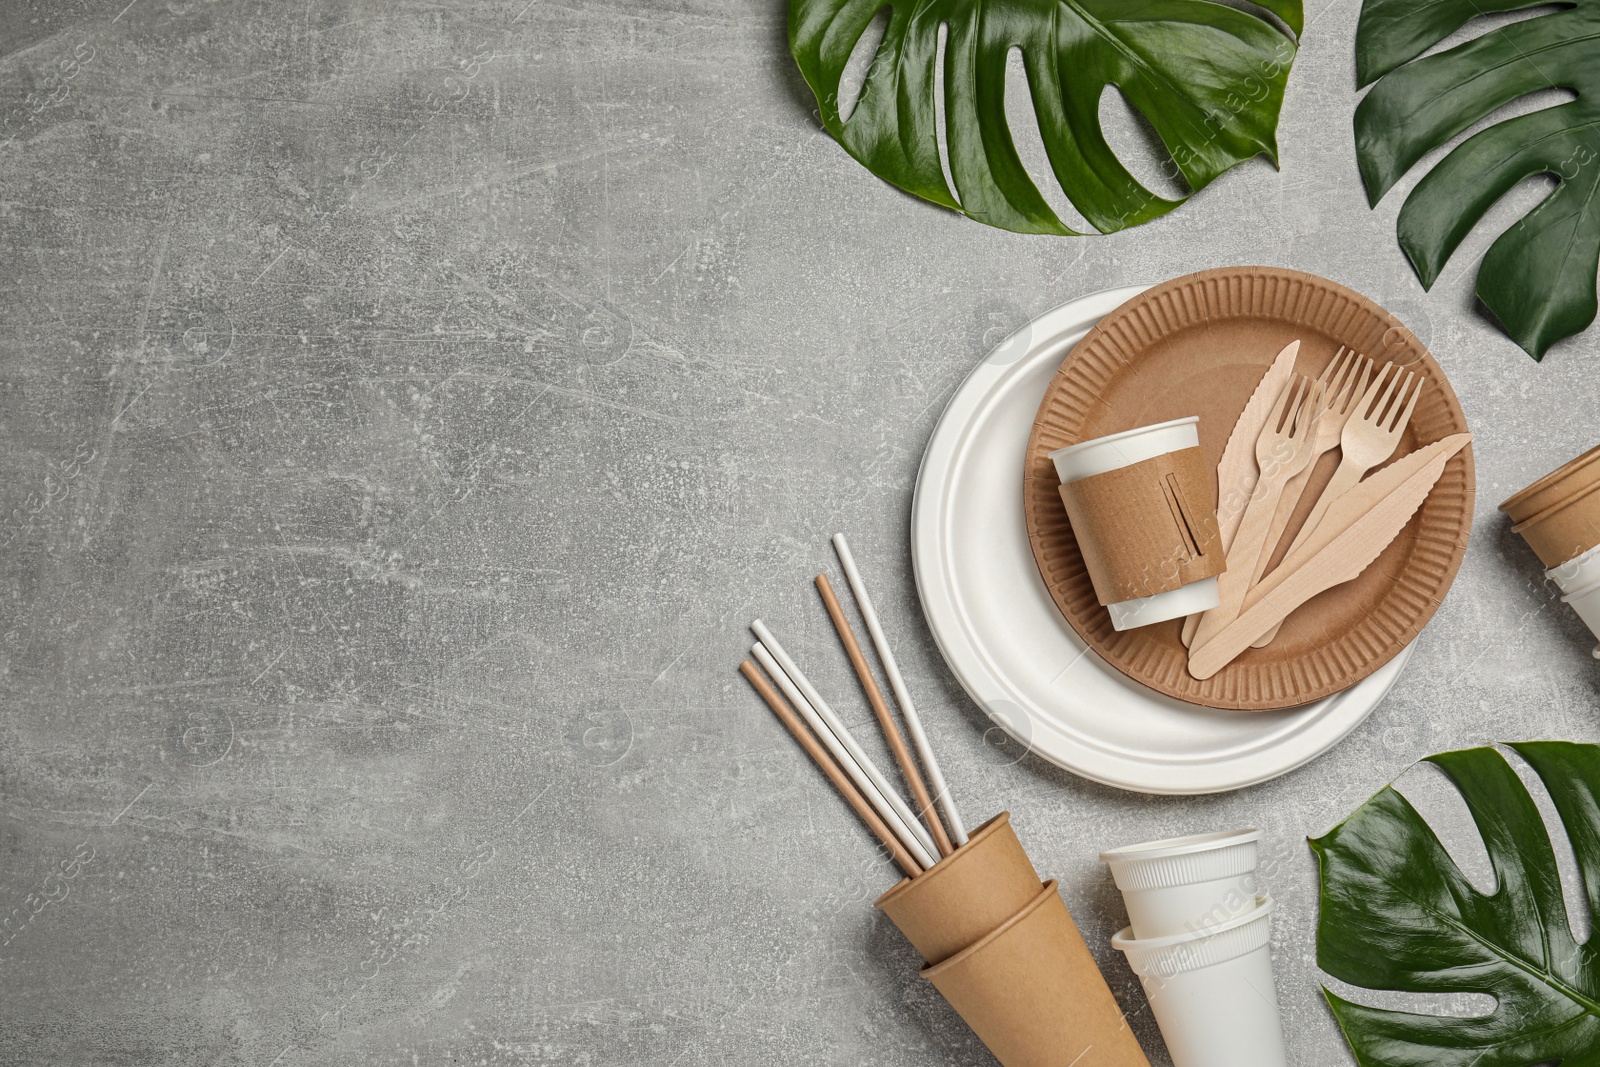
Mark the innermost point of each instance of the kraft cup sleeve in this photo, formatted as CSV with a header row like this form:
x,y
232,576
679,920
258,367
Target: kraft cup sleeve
x,y
1559,515
964,896
1031,992
1146,528
1553,488
1565,530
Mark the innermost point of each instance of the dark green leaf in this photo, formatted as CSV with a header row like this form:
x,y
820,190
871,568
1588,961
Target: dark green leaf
x,y
1398,914
1208,78
1539,277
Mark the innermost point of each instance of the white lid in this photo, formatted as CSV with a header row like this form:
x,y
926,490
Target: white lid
x,y
1183,860
1118,450
1181,846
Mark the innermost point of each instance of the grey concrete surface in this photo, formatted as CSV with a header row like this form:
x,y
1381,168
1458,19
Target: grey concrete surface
x,y
403,410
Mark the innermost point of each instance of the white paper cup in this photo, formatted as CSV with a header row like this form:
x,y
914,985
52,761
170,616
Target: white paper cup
x,y
1186,885
1212,993
1579,580
1118,450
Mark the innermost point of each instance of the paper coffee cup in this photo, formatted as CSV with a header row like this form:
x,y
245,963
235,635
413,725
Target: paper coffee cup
x,y
1559,515
1186,885
1213,993
966,895
1157,527
1032,993
1554,487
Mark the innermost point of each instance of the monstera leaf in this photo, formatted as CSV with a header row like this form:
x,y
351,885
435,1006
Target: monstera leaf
x,y
1397,914
1209,79
1538,278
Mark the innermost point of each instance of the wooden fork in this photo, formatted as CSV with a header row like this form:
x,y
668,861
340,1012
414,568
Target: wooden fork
x,y
1282,451
1369,438
1346,379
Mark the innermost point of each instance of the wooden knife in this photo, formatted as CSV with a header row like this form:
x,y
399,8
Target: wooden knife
x,y
1237,472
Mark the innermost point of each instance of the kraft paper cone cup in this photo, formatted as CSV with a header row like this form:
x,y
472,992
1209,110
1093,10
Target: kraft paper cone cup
x,y
1031,992
966,895
1559,515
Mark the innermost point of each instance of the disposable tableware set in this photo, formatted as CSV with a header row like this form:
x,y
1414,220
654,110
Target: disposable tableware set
x,y
1160,543
1227,502
1313,515
1141,524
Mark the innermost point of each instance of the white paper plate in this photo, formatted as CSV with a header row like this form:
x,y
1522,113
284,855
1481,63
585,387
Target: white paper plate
x,y
1005,640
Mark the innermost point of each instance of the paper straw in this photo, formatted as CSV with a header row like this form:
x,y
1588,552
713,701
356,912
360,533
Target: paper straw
x,y
841,755
835,775
891,731
902,696
842,732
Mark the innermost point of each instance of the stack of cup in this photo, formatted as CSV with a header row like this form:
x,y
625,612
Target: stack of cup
x,y
1559,517
1198,942
1003,950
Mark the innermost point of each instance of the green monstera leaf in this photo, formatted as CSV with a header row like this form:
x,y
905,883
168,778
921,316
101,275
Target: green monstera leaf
x,y
1397,914
1538,278
1209,78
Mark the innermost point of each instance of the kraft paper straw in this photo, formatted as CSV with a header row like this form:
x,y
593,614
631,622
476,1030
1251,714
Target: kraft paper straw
x,y
842,755
891,731
835,775
902,696
842,732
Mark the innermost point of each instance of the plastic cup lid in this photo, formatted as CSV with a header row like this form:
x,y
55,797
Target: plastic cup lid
x,y
1180,846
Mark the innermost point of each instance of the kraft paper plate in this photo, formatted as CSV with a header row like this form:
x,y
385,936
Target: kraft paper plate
x,y
1197,345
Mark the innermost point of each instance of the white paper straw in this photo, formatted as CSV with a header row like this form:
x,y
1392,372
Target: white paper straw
x,y
831,742
839,729
941,791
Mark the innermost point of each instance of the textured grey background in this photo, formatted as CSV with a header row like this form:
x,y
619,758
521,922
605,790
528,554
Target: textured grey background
x,y
403,410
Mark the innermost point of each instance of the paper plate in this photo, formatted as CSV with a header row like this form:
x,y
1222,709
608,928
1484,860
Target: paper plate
x,y
1010,647
1198,345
